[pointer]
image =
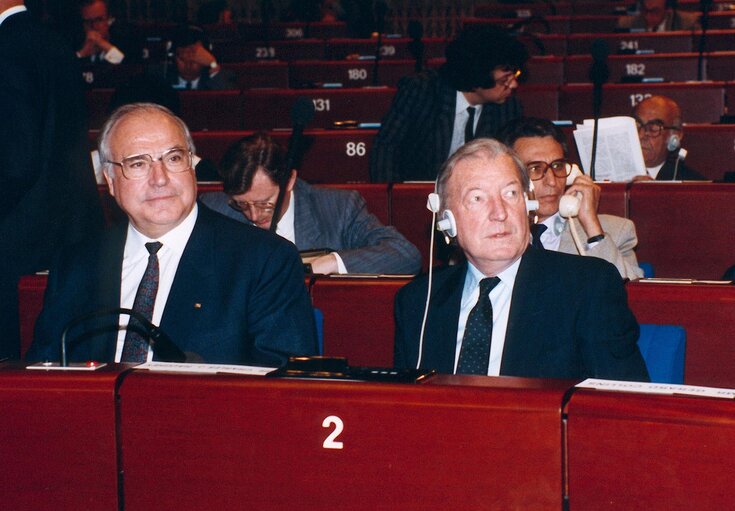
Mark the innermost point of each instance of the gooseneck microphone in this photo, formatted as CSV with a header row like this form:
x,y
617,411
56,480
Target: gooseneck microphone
x,y
599,74
302,113
380,8
416,46
704,6
161,344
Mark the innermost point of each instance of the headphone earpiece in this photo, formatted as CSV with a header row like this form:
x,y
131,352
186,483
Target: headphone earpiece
x,y
445,222
673,143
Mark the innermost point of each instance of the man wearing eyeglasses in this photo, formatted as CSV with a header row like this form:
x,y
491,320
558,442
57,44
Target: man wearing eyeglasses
x,y
434,113
253,172
542,148
660,131
222,291
510,308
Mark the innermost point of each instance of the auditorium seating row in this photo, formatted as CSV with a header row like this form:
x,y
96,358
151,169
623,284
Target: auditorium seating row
x,y
266,109
679,225
358,319
139,440
548,70
521,10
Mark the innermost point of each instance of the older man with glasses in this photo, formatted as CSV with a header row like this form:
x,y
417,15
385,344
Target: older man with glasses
x,y
542,148
661,133
224,292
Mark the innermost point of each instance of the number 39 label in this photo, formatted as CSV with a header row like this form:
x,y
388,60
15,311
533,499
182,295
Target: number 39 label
x,y
331,441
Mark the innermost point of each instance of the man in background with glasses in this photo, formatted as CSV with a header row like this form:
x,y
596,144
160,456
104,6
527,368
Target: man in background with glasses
x,y
310,217
542,148
222,291
434,113
661,132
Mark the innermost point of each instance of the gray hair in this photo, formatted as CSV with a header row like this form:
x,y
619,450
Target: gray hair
x,y
135,109
487,147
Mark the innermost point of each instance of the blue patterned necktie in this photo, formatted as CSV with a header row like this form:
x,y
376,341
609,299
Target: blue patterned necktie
x,y
135,348
475,353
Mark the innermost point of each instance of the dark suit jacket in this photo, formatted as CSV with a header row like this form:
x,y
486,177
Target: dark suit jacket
x,y
416,133
339,219
238,297
569,318
683,173
48,196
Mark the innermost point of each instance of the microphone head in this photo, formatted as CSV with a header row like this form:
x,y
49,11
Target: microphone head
x,y
415,30
302,111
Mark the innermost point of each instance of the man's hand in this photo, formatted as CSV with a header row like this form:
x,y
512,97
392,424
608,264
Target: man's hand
x,y
325,264
645,177
590,200
93,43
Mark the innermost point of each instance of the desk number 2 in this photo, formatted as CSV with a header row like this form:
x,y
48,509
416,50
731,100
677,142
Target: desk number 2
x,y
330,442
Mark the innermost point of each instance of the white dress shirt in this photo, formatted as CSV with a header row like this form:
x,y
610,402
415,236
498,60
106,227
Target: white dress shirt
x,y
135,261
500,298
461,116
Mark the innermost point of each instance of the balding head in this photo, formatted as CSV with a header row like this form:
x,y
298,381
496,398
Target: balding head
x,y
665,113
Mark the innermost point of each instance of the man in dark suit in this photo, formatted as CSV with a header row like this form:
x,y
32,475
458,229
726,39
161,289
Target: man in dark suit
x,y
226,292
254,170
540,313
49,198
433,113
661,132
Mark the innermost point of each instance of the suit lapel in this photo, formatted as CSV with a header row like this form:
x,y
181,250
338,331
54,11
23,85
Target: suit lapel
x,y
440,339
189,288
566,243
533,288
308,235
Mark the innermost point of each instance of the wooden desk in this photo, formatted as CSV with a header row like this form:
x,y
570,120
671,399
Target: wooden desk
x,y
57,439
657,42
348,73
671,67
681,227
228,442
641,452
706,312
700,102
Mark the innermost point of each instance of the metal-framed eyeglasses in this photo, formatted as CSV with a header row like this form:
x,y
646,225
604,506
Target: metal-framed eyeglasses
x,y
139,166
507,79
537,169
263,207
653,128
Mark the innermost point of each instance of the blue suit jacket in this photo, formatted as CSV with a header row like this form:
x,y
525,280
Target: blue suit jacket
x,y
416,133
569,318
238,297
339,219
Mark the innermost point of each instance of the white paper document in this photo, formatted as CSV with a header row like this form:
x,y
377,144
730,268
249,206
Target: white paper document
x,y
206,368
619,156
656,388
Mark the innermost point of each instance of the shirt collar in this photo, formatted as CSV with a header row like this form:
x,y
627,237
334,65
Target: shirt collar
x,y
653,171
9,12
462,104
175,239
286,225
555,223
474,276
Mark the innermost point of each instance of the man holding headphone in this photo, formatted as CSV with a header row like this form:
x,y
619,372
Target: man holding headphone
x,y
510,308
542,147
660,131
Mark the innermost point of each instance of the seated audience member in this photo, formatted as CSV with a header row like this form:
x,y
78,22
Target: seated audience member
x,y
659,16
223,291
434,113
661,132
542,148
512,309
312,218
214,11
105,42
195,67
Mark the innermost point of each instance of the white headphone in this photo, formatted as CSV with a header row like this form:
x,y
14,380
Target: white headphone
x,y
446,222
